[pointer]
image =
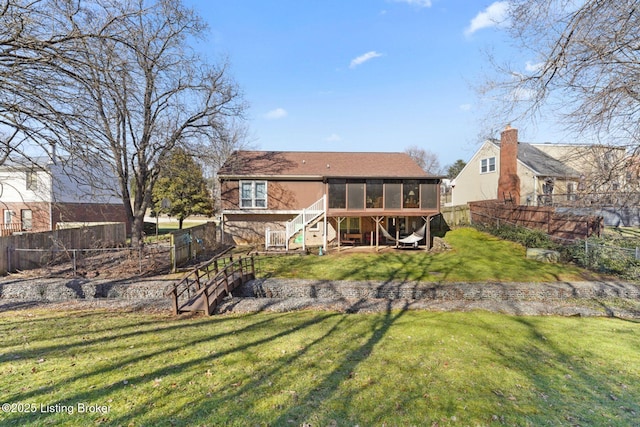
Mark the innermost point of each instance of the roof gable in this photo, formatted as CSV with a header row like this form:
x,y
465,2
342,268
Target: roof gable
x,y
321,164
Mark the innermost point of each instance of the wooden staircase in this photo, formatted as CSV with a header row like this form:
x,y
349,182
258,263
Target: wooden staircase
x,y
306,217
204,287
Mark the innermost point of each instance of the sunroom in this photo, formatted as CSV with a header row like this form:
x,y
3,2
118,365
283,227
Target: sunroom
x,y
382,210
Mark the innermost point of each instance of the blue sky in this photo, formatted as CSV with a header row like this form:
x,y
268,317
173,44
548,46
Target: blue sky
x,y
361,75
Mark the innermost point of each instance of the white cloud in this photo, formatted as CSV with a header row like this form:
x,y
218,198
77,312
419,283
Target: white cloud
x,y
465,107
334,137
492,16
418,3
522,94
278,113
531,67
364,58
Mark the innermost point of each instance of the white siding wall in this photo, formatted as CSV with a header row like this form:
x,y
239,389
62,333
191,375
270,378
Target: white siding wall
x,y
471,185
13,186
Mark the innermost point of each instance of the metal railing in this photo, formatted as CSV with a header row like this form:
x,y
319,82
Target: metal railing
x,y
9,229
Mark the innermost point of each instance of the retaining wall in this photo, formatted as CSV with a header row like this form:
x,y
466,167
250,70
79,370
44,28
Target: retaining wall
x,y
70,289
290,288
141,289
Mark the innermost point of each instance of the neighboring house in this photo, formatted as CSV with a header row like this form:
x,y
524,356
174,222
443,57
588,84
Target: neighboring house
x,y
295,199
584,179
42,195
527,174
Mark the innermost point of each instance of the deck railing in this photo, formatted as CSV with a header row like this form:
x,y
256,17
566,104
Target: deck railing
x,y
208,284
307,216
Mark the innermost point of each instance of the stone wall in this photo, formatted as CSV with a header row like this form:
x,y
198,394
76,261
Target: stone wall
x,y
290,288
155,289
84,289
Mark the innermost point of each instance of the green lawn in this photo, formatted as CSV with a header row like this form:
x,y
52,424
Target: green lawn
x,y
323,368
476,257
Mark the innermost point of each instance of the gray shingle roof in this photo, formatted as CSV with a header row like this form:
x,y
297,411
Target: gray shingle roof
x,y
541,163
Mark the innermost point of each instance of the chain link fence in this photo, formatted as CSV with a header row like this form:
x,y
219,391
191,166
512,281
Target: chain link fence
x,y
94,262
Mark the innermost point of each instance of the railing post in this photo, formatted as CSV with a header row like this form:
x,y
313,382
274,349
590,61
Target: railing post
x,y
205,294
174,294
304,229
325,223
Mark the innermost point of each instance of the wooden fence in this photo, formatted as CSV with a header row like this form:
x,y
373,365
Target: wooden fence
x,y
543,218
97,236
455,215
187,244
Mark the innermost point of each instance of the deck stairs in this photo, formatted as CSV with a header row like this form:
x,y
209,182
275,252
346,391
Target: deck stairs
x,y
309,215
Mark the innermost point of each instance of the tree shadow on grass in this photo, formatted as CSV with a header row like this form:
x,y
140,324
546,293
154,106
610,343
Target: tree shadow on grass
x,y
88,385
97,393
565,386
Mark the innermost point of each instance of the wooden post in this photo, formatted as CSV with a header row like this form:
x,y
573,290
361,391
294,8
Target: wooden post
x,y
339,220
174,295
427,234
253,267
378,220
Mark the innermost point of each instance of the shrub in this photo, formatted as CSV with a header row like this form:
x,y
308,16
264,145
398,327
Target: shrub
x,y
526,237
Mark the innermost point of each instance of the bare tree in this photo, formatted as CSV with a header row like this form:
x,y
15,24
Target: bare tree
x,y
122,90
425,159
583,67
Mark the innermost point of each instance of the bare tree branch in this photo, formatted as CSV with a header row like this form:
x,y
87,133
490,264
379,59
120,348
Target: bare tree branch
x,y
114,83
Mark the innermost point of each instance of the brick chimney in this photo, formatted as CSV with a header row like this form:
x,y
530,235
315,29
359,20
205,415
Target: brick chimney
x,y
509,182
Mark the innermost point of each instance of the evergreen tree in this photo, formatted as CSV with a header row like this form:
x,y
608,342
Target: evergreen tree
x,y
181,189
454,169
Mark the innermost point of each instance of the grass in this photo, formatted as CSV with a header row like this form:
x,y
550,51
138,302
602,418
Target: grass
x,y
321,368
476,257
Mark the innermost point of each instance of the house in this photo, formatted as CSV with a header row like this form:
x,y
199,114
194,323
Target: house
x,y
296,199
42,195
588,179
534,174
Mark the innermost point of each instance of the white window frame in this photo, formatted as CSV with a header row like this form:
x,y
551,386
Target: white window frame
x,y
253,200
8,216
26,220
486,164
31,180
